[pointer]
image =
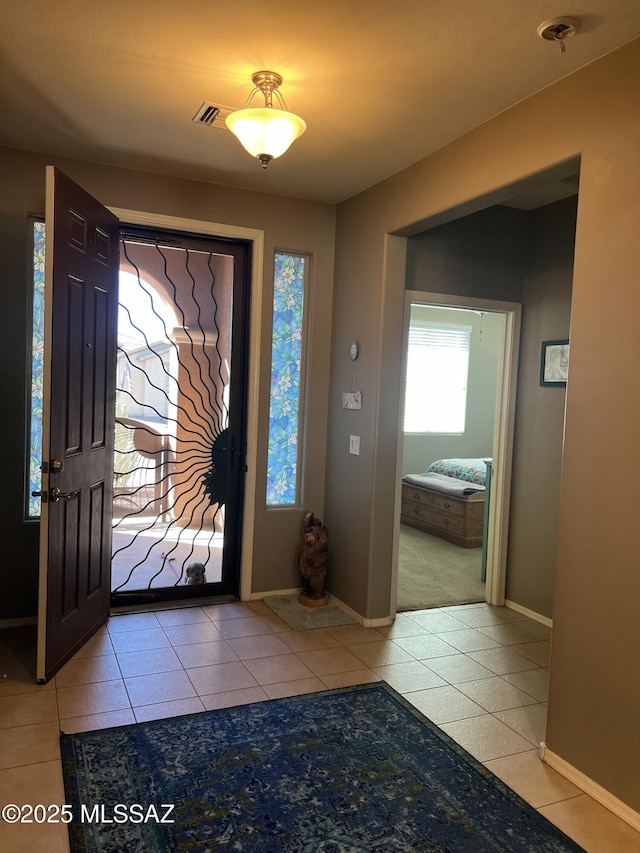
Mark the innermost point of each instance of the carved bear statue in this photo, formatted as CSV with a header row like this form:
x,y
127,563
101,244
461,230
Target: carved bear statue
x,y
312,561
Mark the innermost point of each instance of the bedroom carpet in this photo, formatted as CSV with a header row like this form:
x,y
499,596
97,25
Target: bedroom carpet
x,y
352,769
436,573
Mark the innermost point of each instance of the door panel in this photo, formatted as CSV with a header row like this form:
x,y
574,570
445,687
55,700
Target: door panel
x,y
81,281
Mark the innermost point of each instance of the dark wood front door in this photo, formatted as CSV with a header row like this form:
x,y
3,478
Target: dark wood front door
x,y
81,299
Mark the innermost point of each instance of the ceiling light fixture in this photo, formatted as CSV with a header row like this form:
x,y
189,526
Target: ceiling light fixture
x,y
266,132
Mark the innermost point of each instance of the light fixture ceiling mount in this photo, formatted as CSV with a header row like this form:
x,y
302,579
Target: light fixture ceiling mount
x,y
266,132
558,30
267,81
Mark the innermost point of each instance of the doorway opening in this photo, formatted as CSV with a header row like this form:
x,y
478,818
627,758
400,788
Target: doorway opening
x,y
453,359
180,432
496,517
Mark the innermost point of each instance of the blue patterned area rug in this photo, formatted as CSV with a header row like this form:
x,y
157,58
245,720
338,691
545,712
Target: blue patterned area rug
x,y
356,770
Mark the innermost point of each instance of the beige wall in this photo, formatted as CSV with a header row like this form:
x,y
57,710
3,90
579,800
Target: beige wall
x,y
288,224
539,426
594,703
480,255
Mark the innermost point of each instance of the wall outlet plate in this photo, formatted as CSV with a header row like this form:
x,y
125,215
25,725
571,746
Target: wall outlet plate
x,y
352,400
354,445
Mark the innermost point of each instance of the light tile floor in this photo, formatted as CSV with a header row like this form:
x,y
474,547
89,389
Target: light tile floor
x,y
479,672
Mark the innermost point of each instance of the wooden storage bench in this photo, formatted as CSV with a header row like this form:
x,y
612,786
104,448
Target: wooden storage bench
x,y
457,519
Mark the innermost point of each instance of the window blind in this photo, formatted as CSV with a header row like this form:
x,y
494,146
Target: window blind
x,y
437,374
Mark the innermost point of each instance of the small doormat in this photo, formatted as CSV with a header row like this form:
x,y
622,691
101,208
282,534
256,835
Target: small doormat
x,y
302,618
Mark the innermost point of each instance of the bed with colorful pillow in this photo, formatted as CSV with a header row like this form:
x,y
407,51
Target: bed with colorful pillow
x,y
471,470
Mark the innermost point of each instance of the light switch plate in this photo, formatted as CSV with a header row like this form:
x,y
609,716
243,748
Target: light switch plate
x,y
352,400
354,445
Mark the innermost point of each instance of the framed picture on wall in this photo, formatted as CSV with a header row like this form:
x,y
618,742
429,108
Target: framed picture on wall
x,y
554,363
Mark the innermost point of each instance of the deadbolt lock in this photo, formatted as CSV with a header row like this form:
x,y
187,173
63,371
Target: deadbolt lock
x,y
55,466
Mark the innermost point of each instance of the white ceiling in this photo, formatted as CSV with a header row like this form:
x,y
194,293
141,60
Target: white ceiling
x,y
380,83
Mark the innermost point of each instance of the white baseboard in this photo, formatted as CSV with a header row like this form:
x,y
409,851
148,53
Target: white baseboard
x,y
349,610
606,798
380,622
366,623
18,623
258,596
530,614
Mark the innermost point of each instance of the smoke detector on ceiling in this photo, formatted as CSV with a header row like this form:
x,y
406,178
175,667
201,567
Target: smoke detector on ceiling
x,y
558,30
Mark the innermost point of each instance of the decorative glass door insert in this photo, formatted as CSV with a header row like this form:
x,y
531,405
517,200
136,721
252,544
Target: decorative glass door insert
x,y
179,427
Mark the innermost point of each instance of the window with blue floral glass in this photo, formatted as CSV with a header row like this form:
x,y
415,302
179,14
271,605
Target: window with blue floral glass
x,y
37,356
283,462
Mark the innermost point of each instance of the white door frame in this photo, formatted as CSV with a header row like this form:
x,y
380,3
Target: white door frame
x,y
502,436
256,237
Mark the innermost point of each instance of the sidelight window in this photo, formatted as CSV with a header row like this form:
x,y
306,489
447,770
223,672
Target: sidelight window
x,y
287,357
34,475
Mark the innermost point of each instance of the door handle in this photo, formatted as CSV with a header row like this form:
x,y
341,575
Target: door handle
x,y
54,495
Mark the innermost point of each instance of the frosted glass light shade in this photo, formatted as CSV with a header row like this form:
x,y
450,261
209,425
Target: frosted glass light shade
x,y
265,131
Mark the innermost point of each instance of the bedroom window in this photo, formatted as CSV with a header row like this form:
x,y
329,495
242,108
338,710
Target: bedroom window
x,y
437,374
287,356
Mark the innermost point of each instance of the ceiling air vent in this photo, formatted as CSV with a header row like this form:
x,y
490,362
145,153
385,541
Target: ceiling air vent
x,y
213,115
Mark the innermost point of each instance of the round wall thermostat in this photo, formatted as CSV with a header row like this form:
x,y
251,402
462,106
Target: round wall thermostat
x,y
354,350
